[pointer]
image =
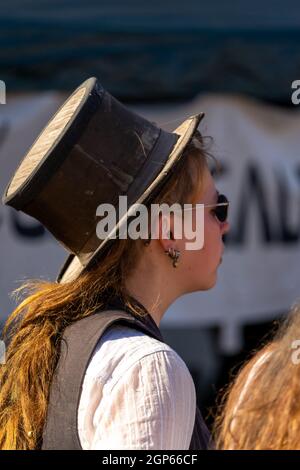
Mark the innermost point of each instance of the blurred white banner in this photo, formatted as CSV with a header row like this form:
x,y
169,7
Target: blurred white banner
x,y
258,146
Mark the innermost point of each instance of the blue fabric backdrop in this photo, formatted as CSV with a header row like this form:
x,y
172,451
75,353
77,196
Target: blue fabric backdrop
x,y
154,50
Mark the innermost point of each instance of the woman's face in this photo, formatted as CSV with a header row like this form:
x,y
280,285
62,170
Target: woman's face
x,y
198,268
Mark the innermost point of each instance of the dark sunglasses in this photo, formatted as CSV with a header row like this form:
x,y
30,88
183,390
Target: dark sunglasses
x,y
220,208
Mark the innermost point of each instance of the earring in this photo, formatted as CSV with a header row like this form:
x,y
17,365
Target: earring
x,y
174,254
147,242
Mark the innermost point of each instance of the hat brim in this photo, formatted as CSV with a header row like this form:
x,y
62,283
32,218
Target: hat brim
x,y
73,266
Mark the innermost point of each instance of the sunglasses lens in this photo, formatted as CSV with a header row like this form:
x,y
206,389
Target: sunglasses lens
x,y
222,211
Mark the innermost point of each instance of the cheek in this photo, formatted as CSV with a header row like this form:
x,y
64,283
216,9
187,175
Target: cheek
x,y
205,257
212,238
204,260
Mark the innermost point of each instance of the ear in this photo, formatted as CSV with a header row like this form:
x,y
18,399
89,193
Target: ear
x,y
165,232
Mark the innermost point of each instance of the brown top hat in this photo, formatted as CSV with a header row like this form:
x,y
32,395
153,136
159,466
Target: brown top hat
x,y
93,150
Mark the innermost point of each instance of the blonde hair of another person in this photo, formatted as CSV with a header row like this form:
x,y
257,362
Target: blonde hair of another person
x,y
261,408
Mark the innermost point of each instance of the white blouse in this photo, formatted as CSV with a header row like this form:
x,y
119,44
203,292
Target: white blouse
x,y
137,393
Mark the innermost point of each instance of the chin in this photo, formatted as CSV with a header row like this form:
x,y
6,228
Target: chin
x,y
211,282
207,285
210,286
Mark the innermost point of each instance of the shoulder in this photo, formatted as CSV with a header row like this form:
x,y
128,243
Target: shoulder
x,y
147,380
121,348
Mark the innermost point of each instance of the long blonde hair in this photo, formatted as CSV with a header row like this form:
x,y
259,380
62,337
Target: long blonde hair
x,y
34,329
261,408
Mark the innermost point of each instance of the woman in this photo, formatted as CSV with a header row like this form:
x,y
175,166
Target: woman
x,y
87,366
261,409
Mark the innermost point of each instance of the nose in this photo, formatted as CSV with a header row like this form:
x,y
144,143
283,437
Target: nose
x,y
225,227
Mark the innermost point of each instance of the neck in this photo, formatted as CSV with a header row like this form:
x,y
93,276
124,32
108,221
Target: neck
x,y
152,289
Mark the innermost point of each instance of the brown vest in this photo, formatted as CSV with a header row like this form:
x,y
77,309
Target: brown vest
x,y
77,345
